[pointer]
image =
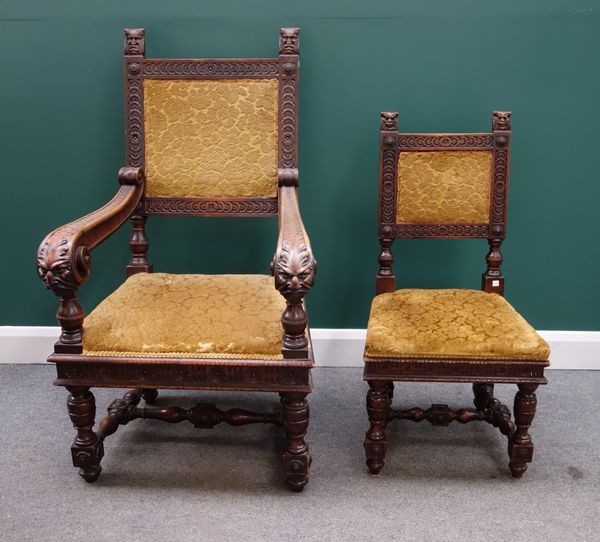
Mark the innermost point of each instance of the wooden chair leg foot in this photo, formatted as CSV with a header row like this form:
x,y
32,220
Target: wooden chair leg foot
x,y
517,469
87,449
378,406
90,475
150,396
520,444
296,459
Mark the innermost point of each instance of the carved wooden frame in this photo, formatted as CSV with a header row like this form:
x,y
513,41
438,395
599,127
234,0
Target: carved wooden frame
x,y
138,68
381,373
392,143
184,373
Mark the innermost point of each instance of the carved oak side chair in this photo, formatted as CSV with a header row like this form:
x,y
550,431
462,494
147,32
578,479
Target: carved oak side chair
x,y
448,186
204,137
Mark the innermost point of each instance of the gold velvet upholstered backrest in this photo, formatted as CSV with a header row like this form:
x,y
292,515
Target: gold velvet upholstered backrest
x,y
443,185
214,136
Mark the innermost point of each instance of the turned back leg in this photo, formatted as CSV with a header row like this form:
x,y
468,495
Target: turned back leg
x,y
483,393
296,459
150,395
87,449
378,406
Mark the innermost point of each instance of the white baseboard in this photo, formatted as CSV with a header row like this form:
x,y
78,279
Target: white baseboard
x,y
333,347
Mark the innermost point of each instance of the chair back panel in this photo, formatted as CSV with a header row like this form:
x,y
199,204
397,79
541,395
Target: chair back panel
x,y
444,187
211,138
215,137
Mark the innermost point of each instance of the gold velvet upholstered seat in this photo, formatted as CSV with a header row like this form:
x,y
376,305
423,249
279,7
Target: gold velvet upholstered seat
x,y
450,324
188,316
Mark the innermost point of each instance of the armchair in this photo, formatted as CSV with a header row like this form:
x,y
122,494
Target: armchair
x,y
206,138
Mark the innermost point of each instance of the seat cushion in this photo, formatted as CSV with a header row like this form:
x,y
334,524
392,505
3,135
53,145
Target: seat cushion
x,y
450,324
164,315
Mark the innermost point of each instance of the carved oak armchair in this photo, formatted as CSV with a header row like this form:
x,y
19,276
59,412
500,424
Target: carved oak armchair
x,y
205,138
448,186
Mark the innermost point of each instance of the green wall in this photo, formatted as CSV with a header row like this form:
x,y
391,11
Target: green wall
x,y
444,65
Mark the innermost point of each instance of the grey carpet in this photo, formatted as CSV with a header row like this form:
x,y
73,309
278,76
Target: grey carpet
x,y
176,483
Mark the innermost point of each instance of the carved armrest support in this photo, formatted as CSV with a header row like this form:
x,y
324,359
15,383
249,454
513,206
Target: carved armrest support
x,y
63,259
294,268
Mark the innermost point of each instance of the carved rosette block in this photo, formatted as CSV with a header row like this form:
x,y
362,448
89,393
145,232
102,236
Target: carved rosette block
x,y
296,459
289,41
378,407
87,449
520,445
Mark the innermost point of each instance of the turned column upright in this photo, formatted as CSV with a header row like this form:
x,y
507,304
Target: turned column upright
x,y
138,244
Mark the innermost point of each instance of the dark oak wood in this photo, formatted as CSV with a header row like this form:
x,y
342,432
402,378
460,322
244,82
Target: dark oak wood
x,y
138,244
378,406
87,449
520,444
382,372
64,264
296,459
64,261
202,416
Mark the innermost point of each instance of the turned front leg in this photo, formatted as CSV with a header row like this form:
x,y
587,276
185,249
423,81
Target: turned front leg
x,y
296,459
87,449
520,446
378,406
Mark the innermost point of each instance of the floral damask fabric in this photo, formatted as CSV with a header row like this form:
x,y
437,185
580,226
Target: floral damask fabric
x,y
444,187
164,315
208,138
450,324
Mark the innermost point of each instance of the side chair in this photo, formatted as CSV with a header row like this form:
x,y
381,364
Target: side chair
x,y
206,138
448,186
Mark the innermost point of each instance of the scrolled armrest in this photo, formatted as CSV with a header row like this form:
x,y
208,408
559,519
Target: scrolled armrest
x,y
293,268
63,259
